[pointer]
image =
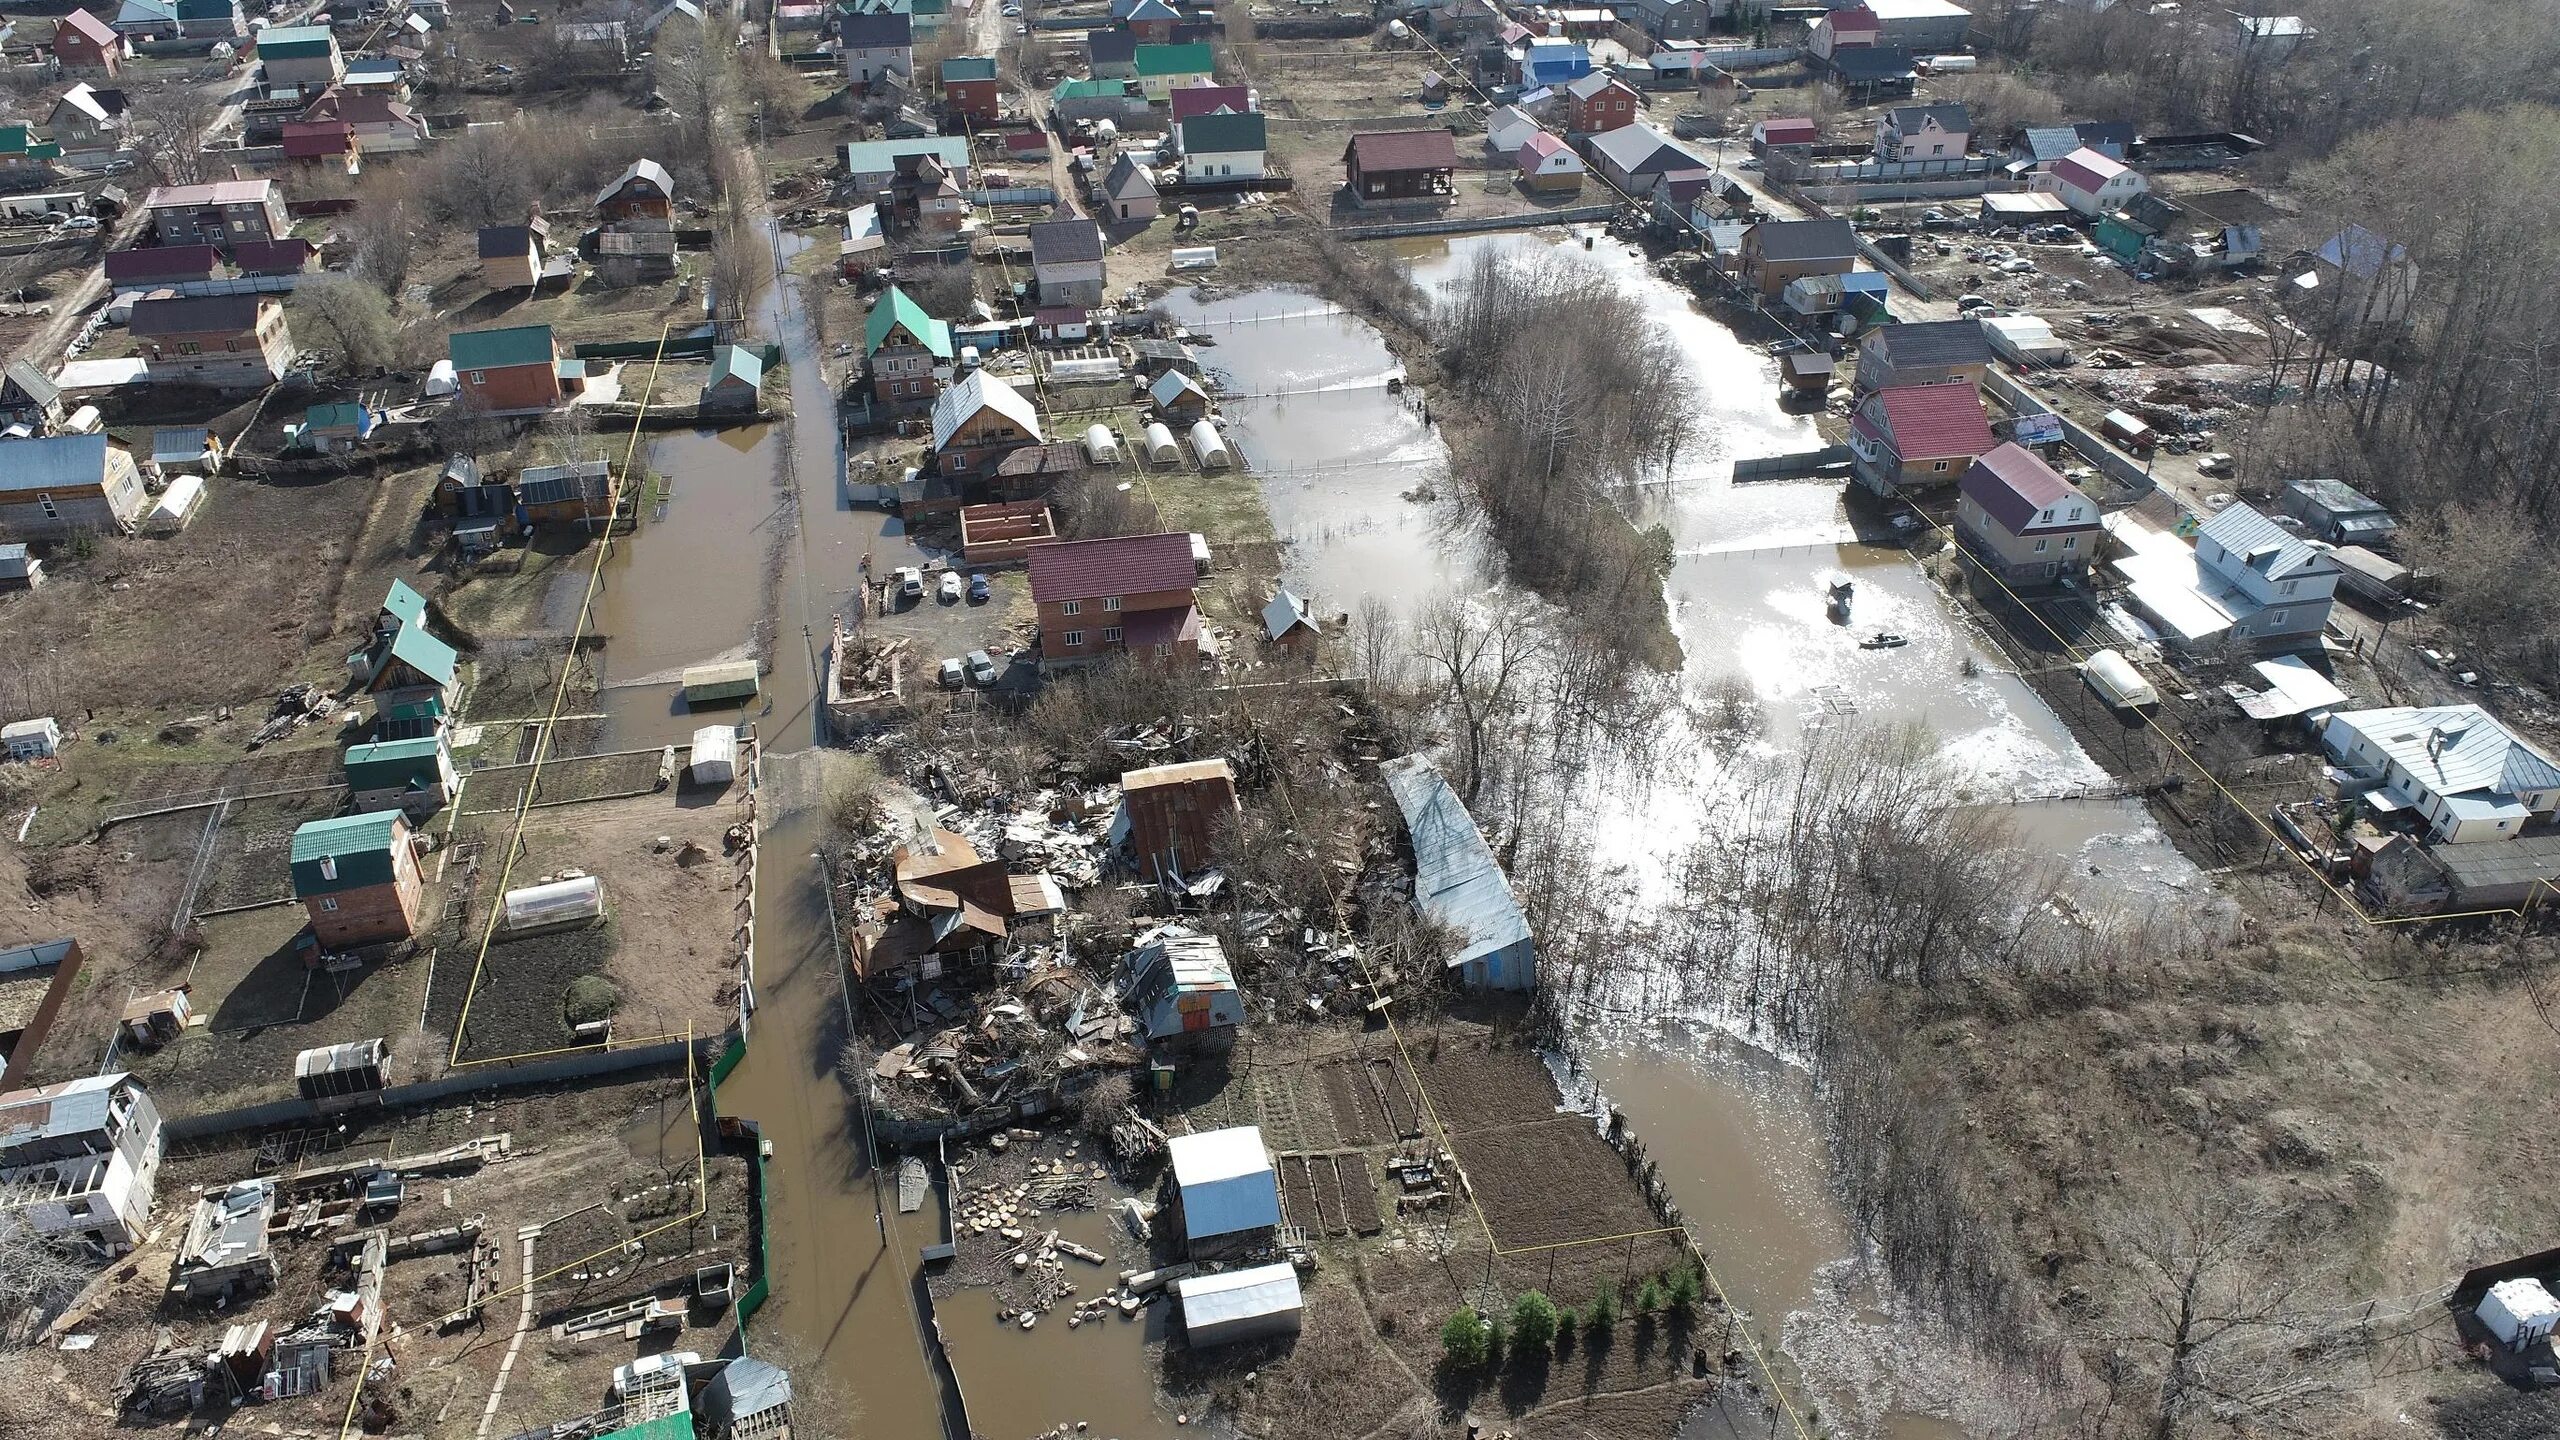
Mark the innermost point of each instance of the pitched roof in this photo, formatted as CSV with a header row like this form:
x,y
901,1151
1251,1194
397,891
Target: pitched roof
x,y
2360,252
338,415
2086,169
1286,612
162,262
1926,421
289,256
553,484
424,653
1065,242
1595,82
1379,152
1193,59
1456,879
1853,17
1933,342
83,97
1190,100
24,379
737,362
195,315
219,192
1128,179
2014,486
2253,540
2454,749
1640,149
1110,47
1789,240
1223,133
878,31
1909,119
866,157
402,602
498,242
1539,148
982,391
2048,143
1226,1181
497,349
968,67
91,27
897,309
57,460
345,835
1122,565
641,169
1870,64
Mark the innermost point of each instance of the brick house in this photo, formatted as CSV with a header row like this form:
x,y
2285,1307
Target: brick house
x,y
1917,435
2018,520
501,370
970,90
68,485
1777,251
230,342
1132,594
221,214
1598,103
83,44
978,422
357,878
902,344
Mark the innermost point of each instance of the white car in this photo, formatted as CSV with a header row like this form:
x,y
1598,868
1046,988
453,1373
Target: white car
x,y
79,224
632,1377
949,590
910,583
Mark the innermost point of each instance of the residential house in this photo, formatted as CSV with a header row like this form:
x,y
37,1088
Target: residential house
x,y
1932,352
323,143
1553,63
1223,1190
357,878
415,775
1457,884
978,422
289,256
1507,127
1390,166
511,256
580,493
1851,27
155,265
2359,279
405,668
229,342
1289,622
1865,72
1636,157
2023,523
1669,19
2340,514
1924,132
871,166
1130,594
2093,185
1176,819
737,381
1152,21
1115,99
24,153
1225,145
1913,436
673,10
1185,993
594,45
86,117
1548,166
514,369
29,398
221,214
2466,775
1600,102
211,20
379,122
1770,137
1111,54
970,90
1777,251
902,345
643,190
1066,261
300,55
2034,149
873,47
1024,146
1190,100
1178,399
142,21
83,44
1923,27
2145,225
78,1160
2247,583
1128,191
1162,69
865,246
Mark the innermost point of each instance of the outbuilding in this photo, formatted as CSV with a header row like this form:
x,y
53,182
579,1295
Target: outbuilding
x,y
1250,1304
415,775
37,739
1182,986
1225,1190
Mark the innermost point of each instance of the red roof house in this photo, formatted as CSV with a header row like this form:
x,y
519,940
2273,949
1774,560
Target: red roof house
x,y
2020,520
1193,100
83,44
1907,436
318,139
157,263
1132,593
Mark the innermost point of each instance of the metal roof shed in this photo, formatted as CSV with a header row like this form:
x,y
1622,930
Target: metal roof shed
x,y
1225,1184
1456,881
1240,1305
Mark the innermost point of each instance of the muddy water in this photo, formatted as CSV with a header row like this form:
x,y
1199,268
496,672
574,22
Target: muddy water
x,y
1028,1382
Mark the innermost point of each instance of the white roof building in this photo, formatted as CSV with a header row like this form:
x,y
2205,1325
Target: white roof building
x,y
954,407
2467,775
1240,1305
1226,1183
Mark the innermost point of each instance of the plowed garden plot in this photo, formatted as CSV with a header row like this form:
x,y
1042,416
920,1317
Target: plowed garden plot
x,y
498,789
1298,1195
1356,1108
1475,1087
1359,1194
253,845
1394,1091
521,1006
1556,1180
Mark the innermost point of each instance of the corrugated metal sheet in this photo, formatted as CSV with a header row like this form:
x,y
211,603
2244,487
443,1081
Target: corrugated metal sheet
x,y
1456,881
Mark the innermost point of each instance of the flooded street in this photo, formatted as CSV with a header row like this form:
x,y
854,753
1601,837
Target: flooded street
x,y
1736,1131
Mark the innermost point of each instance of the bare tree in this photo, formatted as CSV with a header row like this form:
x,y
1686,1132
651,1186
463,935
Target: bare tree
x,y
485,176
169,126
1479,658
383,235
352,317
35,1272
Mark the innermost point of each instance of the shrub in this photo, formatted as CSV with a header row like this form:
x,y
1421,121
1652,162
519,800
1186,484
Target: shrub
x,y
1603,1315
1533,1323
1649,1299
1466,1342
1683,1293
591,998
1566,1320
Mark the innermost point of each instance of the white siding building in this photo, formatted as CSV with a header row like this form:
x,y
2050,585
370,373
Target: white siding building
x,y
2455,765
77,1160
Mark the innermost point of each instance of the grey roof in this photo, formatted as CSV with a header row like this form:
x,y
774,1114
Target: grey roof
x,y
229,1226
196,315
1226,1180
1951,116
1111,47
2454,749
2520,861
1640,149
880,31
642,169
1456,881
1065,242
2335,496
744,1388
55,460
25,379
1128,179
1264,1290
550,484
2263,545
184,445
1830,239
2048,143
1872,63
1933,342
1285,613
2360,252
76,1108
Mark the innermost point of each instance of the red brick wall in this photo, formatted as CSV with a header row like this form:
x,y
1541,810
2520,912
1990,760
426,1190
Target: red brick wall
x,y
511,387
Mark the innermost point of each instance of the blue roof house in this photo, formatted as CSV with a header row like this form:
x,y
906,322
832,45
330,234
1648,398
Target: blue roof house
x,y
1457,883
1554,62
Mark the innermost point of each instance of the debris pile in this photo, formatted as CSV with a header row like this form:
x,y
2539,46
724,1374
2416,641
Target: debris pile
x,y
297,705
868,667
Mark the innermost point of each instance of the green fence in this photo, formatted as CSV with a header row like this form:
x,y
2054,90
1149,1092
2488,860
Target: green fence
x,y
761,1289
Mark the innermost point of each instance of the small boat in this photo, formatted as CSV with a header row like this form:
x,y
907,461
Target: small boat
x,y
1883,640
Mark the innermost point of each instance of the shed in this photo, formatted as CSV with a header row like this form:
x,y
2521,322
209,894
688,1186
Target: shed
x,y
2519,1312
1178,398
1248,1304
1173,817
1225,1187
415,774
331,1071
1181,985
737,380
1288,619
18,569
749,1399
714,756
36,739
1457,883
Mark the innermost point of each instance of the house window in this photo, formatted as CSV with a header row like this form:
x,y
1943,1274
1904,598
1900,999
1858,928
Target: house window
x,y
2045,519
479,377
1110,634
2276,619
328,902
2070,542
328,867
189,347
1110,603
1939,466
1937,149
2039,547
2292,585
1071,607
1072,640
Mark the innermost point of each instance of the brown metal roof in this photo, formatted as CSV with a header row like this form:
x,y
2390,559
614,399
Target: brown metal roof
x,y
1387,151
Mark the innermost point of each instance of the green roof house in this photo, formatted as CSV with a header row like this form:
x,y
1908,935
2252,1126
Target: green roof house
x,y
902,345
1164,68
737,380
405,668
20,145
301,55
357,878
511,370
401,606
415,775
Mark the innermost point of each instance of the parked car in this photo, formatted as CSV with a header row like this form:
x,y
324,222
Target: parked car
x,y
79,224
982,668
627,1377
949,590
979,590
949,674
910,583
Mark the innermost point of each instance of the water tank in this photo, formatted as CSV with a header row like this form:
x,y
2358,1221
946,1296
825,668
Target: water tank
x,y
1397,29
1101,446
1160,447
715,755
1105,131
562,902
1210,446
